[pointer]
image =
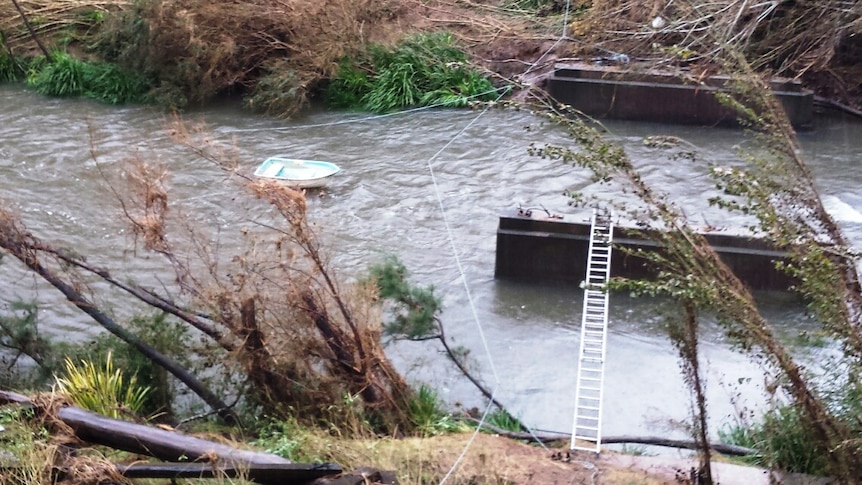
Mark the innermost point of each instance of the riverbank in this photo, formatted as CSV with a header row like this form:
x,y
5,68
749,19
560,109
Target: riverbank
x,y
193,51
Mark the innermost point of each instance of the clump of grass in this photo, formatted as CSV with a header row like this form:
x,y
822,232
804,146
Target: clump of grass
x,y
783,440
12,68
62,76
67,76
423,70
284,438
24,450
102,389
429,416
501,418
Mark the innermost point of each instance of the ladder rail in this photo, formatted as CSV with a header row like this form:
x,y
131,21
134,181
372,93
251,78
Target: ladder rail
x,y
590,376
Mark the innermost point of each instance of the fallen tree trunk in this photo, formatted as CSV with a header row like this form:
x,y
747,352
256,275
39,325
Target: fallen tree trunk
x,y
155,442
158,443
547,437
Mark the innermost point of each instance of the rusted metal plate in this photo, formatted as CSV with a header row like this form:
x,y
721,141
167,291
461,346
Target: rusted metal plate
x,y
536,249
665,97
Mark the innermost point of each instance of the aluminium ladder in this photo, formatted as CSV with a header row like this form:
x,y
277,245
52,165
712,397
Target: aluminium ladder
x,y
594,329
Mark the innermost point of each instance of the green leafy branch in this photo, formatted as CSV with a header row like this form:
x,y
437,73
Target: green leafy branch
x,y
415,315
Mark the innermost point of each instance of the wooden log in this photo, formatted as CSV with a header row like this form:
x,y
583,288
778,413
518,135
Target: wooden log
x,y
548,437
8,397
158,443
722,448
268,473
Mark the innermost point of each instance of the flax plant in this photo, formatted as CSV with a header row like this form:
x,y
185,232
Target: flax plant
x,y
102,389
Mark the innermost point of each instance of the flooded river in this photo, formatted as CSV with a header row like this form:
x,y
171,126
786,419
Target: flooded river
x,y
523,337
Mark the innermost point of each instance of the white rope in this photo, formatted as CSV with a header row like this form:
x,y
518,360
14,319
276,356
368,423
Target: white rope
x,y
563,37
365,118
463,274
452,239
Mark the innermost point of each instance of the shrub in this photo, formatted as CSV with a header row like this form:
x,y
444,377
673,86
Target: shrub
x,y
783,440
280,92
423,70
64,75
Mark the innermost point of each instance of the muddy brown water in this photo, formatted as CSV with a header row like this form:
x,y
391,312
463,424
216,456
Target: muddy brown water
x,y
386,202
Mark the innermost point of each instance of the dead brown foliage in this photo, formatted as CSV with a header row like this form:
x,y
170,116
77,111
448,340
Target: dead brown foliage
x,y
304,338
204,48
816,41
790,38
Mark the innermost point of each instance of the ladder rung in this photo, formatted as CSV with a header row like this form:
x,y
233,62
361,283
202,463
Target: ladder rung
x,y
594,439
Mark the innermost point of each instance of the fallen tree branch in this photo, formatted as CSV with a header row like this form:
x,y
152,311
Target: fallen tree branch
x,y
18,242
548,437
839,106
150,298
32,32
